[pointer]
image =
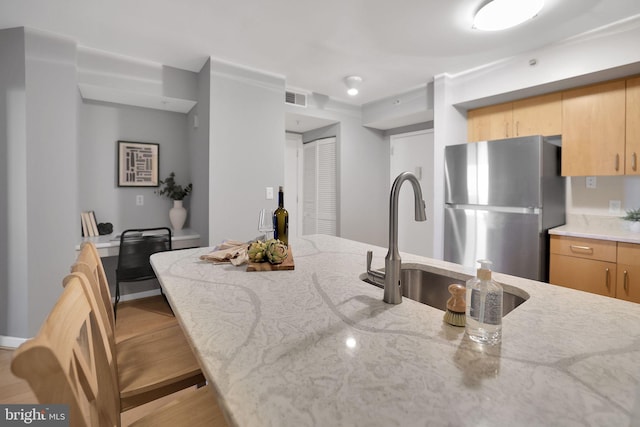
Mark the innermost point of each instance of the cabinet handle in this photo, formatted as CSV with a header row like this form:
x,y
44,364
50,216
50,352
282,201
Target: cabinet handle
x,y
617,162
584,249
634,161
518,128
626,282
506,130
606,278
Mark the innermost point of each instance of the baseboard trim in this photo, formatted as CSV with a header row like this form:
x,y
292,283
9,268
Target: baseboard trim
x,y
11,342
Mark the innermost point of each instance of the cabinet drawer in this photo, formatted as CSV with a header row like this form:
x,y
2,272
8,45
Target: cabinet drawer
x,y
628,253
598,277
602,250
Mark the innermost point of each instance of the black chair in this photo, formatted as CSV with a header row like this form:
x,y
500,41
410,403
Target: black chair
x,y
136,246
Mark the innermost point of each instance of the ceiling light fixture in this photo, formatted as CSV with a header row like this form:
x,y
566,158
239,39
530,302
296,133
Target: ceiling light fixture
x,y
353,84
498,15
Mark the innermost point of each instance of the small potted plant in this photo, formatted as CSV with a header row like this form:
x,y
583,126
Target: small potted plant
x,y
175,192
633,216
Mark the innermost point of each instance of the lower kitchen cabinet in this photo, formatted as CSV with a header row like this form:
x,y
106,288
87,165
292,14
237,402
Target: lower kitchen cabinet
x,y
628,272
598,277
601,267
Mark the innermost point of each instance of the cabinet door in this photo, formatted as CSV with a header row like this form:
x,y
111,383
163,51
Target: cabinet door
x,y
488,123
598,277
540,115
632,146
593,130
628,283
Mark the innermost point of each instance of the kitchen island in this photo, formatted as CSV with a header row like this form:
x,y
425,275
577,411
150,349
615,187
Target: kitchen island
x,y
316,346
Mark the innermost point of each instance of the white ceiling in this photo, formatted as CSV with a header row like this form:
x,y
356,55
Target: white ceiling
x,y
394,45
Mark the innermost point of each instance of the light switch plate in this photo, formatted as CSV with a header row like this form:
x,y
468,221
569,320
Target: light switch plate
x,y
269,191
591,182
139,200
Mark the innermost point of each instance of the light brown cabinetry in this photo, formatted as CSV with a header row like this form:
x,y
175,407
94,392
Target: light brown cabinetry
x,y
599,266
539,115
584,264
628,281
593,130
492,122
632,145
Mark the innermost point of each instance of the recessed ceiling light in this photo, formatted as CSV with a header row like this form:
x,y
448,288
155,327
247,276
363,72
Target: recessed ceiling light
x,y
502,14
353,84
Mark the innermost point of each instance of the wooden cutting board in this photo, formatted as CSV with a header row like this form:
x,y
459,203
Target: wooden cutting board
x,y
287,264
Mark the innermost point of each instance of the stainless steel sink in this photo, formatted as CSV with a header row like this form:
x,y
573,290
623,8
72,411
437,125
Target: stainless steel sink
x,y
432,289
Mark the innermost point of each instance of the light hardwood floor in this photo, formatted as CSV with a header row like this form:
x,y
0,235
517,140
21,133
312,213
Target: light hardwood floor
x,y
14,390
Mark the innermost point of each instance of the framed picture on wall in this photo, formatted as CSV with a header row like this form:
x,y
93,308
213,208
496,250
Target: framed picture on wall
x,y
138,164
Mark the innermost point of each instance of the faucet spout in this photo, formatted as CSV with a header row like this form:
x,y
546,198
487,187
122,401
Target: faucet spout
x,y
392,285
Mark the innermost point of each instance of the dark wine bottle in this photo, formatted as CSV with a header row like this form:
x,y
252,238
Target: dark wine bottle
x,y
281,220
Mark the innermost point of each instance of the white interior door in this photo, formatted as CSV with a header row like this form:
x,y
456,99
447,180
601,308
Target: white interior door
x,y
413,152
292,171
319,187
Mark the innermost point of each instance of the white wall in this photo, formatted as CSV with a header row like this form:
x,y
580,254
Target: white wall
x,y
246,151
363,170
599,55
595,201
410,151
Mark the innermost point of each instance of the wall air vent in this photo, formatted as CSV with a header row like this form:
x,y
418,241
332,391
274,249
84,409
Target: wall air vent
x,y
292,98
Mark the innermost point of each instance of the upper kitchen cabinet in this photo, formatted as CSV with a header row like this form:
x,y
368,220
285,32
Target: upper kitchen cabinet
x,y
632,146
593,130
540,115
492,122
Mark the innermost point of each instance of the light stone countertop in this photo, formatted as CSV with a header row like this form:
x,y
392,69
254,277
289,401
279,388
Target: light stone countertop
x,y
317,347
597,227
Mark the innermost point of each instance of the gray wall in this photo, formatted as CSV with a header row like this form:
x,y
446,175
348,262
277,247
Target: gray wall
x,y
40,203
199,153
101,125
363,170
13,184
247,139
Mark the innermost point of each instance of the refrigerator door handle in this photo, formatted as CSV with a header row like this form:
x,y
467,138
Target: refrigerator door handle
x,y
506,209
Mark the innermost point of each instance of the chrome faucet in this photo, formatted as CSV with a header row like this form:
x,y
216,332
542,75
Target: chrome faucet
x,y
391,276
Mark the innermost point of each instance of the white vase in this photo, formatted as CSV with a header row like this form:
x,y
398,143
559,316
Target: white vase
x,y
635,226
177,215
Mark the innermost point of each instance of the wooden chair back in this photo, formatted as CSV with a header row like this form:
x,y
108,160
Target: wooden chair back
x,y
67,361
89,263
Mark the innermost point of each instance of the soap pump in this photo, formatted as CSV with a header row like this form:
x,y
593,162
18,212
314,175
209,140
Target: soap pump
x,y
484,307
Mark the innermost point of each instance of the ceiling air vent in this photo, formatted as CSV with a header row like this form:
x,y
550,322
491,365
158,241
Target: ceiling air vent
x,y
293,98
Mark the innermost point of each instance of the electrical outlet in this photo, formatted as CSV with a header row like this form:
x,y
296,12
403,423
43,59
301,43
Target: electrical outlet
x,y
615,206
139,200
269,191
591,182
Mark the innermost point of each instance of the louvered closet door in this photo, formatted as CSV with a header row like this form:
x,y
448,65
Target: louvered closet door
x,y
319,187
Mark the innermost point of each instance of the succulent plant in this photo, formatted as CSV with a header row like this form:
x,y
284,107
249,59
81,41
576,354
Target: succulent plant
x,y
256,251
276,251
632,215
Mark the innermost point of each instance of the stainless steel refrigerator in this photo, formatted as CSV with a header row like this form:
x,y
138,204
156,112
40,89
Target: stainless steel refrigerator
x,y
501,198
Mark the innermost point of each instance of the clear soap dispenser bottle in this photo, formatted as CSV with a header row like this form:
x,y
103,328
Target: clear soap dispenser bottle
x,y
484,307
